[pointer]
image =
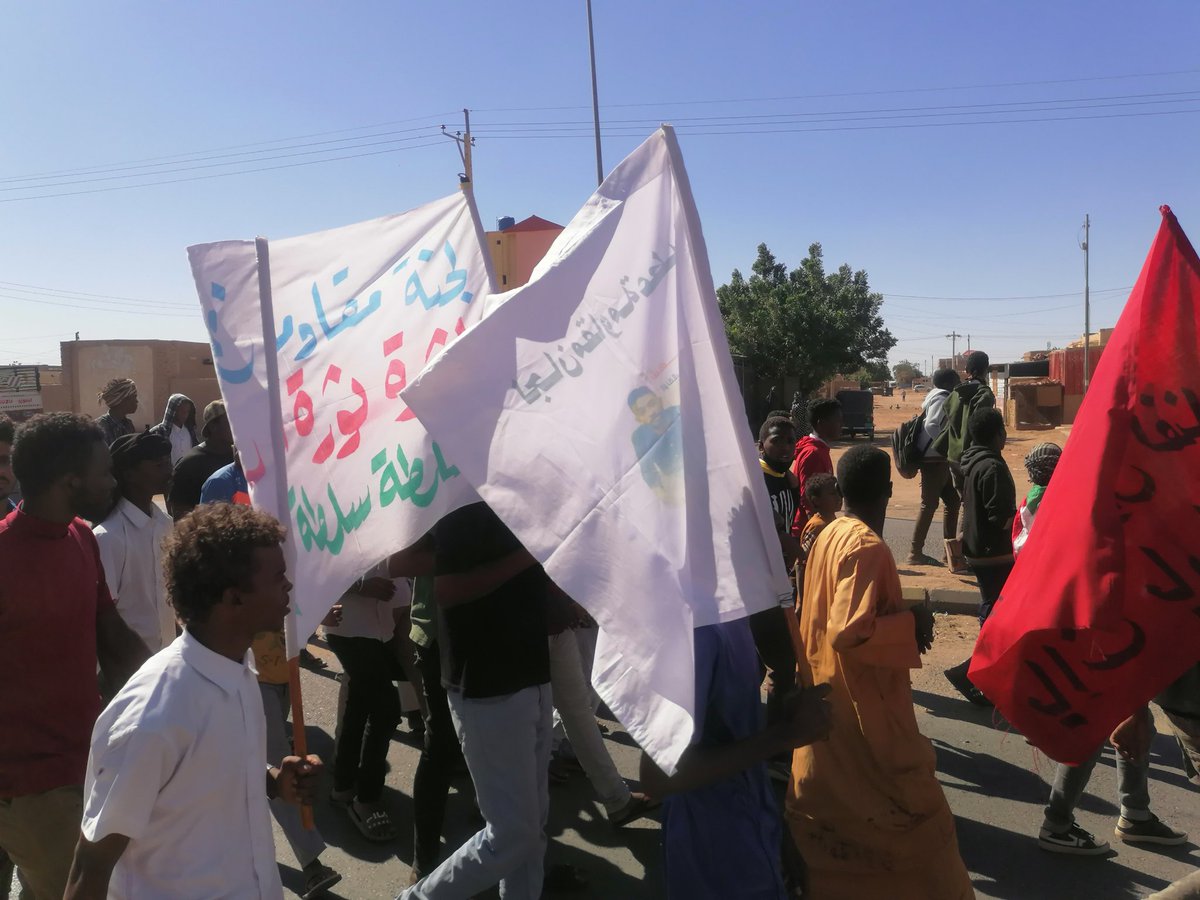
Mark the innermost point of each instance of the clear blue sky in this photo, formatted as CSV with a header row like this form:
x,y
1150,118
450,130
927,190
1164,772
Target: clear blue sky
x,y
936,210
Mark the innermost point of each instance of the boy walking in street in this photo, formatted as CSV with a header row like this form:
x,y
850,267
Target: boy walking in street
x,y
865,807
964,401
937,485
177,790
812,451
990,501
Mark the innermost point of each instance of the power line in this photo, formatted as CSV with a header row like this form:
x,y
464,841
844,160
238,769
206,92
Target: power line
x,y
238,149
686,130
105,309
953,109
215,150
211,165
310,162
23,288
963,87
1018,297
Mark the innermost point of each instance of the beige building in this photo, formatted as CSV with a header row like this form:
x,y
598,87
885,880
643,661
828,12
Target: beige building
x,y
519,246
160,368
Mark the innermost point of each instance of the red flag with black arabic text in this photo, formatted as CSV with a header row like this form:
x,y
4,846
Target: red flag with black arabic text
x,y
1103,608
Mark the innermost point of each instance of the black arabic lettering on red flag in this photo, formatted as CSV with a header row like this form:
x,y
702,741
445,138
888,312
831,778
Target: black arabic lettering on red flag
x,y
1103,608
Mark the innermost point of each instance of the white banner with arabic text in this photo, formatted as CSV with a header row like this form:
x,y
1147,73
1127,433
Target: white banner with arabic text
x,y
356,312
595,409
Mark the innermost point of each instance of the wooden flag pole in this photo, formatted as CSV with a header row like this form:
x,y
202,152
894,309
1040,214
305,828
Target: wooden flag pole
x,y
299,738
279,479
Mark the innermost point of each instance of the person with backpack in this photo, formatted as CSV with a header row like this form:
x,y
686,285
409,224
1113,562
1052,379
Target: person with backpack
x,y
990,502
965,400
937,485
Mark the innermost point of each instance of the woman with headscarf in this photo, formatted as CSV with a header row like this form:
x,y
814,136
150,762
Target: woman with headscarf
x,y
178,426
121,397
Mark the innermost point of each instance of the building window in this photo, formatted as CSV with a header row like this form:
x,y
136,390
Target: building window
x,y
503,279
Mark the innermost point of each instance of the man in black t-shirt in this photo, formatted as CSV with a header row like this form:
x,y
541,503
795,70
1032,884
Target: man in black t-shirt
x,y
491,596
194,467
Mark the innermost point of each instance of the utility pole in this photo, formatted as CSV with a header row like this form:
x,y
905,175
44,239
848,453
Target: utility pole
x,y
595,96
465,143
1087,305
954,336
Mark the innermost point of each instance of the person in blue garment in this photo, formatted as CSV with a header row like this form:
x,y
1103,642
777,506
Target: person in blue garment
x,y
721,825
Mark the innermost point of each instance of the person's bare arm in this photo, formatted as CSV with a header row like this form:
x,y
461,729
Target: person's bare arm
x,y
701,766
92,867
412,561
119,650
453,590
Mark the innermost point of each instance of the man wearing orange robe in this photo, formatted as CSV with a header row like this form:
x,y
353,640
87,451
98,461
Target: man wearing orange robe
x,y
864,807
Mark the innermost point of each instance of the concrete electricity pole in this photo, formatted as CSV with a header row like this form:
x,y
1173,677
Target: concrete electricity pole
x,y
1087,304
465,143
954,336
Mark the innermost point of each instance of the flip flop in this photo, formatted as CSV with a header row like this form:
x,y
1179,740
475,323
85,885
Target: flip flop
x,y
319,881
377,826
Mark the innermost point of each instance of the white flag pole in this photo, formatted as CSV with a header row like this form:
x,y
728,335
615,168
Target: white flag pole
x,y
280,485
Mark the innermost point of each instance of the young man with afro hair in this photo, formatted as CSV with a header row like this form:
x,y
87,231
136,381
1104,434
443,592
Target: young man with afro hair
x,y
177,791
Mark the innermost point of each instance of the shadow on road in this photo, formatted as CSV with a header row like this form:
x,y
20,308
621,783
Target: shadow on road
x,y
1010,866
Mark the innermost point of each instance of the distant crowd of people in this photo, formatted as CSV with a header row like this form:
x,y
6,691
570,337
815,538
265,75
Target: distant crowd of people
x,y
147,742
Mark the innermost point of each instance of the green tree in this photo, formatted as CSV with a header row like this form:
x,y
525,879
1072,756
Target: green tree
x,y
905,372
874,370
804,323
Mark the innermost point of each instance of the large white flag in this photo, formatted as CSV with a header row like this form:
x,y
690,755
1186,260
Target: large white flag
x,y
595,410
313,339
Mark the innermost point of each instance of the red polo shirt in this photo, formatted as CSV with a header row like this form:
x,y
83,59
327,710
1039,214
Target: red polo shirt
x,y
52,589
812,458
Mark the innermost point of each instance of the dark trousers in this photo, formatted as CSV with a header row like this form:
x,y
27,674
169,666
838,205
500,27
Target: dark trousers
x,y
958,480
775,650
440,756
937,486
371,716
991,580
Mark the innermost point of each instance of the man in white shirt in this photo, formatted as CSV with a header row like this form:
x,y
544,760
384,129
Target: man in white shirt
x,y
176,791
936,482
131,537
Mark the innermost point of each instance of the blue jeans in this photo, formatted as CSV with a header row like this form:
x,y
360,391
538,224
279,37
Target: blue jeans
x,y
506,741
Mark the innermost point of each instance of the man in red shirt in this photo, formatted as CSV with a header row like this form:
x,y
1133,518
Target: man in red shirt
x,y
57,621
812,452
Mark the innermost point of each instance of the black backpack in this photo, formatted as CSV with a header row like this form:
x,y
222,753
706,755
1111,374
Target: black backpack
x,y
907,445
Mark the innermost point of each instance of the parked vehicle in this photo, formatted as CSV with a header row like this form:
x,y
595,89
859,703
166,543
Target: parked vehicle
x,y
858,413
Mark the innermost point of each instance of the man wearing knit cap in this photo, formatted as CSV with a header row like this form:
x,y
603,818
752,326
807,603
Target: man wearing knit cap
x,y
121,397
194,468
131,537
